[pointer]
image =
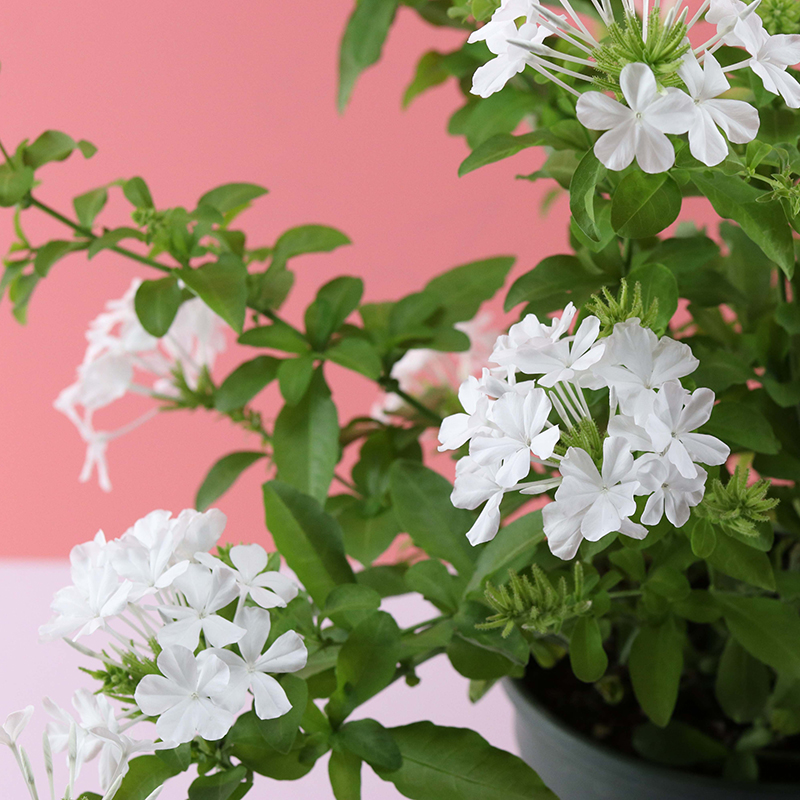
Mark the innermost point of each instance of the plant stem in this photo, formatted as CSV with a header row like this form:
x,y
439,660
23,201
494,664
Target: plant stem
x,y
425,624
628,593
123,251
391,385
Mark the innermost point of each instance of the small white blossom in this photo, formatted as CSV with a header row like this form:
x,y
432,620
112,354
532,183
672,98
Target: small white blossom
x,y
474,485
670,492
15,724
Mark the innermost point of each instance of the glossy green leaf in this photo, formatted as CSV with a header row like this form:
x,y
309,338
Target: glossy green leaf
x,y
219,786
156,304
367,534
371,742
89,205
294,377
768,629
50,146
342,295
656,663
434,582
280,733
442,763
582,194
344,771
245,382
87,148
231,196
421,499
14,184
462,290
278,336
50,253
356,354
587,656
222,286
307,239
742,562
138,193
643,204
306,441
362,43
496,148
742,685
223,475
764,223
309,539
366,663
744,425
658,283
112,238
145,774
703,538
350,603
678,745
561,277
429,73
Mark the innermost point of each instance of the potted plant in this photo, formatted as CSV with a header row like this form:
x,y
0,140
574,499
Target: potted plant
x,y
620,543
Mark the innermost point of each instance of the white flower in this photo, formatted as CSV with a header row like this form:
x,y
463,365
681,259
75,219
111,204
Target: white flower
x,y
474,485
15,724
603,498
675,414
187,697
563,360
669,491
530,335
771,55
636,363
510,58
118,749
739,120
195,338
458,428
268,589
563,530
197,532
520,422
251,669
637,131
206,592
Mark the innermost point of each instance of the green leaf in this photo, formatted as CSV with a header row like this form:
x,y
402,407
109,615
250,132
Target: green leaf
x,y
347,605
644,204
788,317
421,499
50,253
157,303
356,354
50,146
231,196
586,654
461,291
219,786
112,238
458,764
768,629
742,562
223,475
366,663
496,148
280,733
294,377
309,539
371,742
367,534
222,286
307,239
306,441
178,759
342,295
87,148
245,382
582,194
278,336
429,73
476,662
512,548
764,223
742,685
89,205
561,278
145,774
744,425
678,745
14,184
362,42
703,538
433,581
658,283
137,192
344,771
669,582
719,370
656,663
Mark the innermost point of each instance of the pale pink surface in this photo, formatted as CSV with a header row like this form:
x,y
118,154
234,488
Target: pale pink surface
x,y
29,670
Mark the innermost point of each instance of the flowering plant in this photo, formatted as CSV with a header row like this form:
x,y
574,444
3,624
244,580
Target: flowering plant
x,y
624,513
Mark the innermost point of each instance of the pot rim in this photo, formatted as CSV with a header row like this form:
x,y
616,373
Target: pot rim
x,y
519,694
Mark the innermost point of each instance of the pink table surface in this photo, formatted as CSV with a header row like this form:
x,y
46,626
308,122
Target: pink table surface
x,y
29,670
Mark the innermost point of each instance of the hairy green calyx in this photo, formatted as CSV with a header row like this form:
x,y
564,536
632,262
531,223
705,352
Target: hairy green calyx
x,y
625,44
737,507
536,605
626,305
120,679
780,16
583,434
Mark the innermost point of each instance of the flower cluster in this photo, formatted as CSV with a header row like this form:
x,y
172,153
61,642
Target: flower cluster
x,y
669,86
123,357
188,634
646,448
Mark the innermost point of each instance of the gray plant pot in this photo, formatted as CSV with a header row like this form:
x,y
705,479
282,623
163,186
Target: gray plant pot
x,y
577,768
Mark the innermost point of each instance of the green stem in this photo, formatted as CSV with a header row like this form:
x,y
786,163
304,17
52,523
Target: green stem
x,y
123,251
628,593
348,484
7,156
425,624
391,385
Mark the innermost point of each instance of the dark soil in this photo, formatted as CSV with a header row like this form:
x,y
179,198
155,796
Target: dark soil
x,y
581,707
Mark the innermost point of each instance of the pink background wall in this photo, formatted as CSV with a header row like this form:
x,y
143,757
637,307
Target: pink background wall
x,y
190,96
